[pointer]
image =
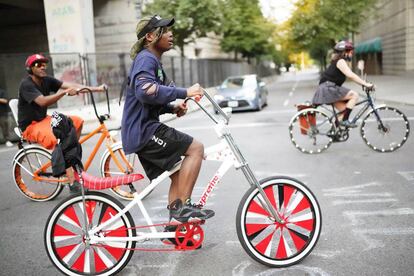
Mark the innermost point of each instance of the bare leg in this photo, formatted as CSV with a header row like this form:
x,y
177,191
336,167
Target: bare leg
x,y
173,193
183,181
70,175
348,101
69,171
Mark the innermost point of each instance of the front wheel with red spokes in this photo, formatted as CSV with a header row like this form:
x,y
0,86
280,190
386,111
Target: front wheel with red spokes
x,y
273,243
67,245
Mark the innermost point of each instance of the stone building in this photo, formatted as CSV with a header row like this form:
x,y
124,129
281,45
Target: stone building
x,y
386,38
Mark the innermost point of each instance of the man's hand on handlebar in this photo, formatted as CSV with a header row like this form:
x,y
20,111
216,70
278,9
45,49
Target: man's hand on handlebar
x,y
195,90
88,89
180,109
71,91
102,87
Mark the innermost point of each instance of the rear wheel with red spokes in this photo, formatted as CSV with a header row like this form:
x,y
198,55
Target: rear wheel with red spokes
x,y
67,245
273,243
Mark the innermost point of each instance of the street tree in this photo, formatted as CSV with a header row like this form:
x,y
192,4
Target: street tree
x,y
316,25
193,18
244,30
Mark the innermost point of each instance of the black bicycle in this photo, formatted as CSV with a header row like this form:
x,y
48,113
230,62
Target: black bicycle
x,y
314,128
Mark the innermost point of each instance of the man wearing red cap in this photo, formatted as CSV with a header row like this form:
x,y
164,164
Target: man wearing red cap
x,y
38,91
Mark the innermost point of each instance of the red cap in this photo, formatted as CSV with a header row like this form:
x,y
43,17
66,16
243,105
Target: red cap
x,y
33,58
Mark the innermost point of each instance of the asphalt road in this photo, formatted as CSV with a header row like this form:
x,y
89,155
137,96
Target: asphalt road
x,y
367,202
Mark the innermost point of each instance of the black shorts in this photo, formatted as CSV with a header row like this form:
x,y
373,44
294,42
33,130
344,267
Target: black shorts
x,y
163,151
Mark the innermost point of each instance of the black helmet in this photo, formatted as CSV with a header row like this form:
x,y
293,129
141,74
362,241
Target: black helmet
x,y
343,46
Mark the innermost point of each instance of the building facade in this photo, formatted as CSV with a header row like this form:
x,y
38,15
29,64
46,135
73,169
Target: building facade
x,y
386,39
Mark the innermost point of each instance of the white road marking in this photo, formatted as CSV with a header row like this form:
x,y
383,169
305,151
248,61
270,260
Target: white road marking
x,y
355,216
232,243
359,195
240,270
374,200
408,175
286,102
327,254
374,243
351,189
266,174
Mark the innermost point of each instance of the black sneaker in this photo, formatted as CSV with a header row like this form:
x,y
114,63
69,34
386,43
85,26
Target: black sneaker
x,y
75,187
348,124
181,213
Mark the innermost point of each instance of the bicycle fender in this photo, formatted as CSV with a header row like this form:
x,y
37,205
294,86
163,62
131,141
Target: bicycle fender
x,y
29,148
307,109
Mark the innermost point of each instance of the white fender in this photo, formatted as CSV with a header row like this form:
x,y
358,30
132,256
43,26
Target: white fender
x,y
114,147
30,147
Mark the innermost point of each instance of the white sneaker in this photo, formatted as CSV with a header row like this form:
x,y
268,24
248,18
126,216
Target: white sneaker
x,y
9,144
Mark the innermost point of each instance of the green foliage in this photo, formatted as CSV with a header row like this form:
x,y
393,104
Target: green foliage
x,y
193,18
244,29
317,24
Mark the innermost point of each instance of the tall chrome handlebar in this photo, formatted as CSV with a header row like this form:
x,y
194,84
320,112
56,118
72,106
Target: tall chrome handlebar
x,y
215,105
101,118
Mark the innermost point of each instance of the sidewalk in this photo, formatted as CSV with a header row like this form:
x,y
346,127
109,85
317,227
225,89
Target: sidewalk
x,y
392,89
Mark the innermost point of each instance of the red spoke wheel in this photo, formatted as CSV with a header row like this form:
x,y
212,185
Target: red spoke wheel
x,y
66,242
189,236
273,243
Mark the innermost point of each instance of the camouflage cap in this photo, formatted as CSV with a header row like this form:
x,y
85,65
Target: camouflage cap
x,y
144,26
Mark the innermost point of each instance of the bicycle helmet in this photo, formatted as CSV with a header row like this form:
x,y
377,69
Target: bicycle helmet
x,y
34,58
343,46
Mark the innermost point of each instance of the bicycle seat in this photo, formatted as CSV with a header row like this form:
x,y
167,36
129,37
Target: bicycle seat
x,y
100,183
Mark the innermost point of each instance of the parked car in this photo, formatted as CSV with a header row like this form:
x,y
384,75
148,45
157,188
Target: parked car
x,y
246,92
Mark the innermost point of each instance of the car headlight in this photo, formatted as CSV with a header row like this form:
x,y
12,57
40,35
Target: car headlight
x,y
218,98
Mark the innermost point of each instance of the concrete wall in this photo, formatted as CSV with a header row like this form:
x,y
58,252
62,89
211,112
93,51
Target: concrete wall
x,y
393,22
25,39
410,35
115,22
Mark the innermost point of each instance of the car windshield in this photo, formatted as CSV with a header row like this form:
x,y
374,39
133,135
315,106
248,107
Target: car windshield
x,y
239,82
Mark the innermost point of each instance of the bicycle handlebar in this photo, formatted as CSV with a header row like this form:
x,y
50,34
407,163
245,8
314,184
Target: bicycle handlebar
x,y
101,118
368,89
215,105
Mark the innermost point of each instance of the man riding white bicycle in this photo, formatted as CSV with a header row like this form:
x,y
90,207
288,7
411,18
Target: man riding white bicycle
x,y
330,89
158,146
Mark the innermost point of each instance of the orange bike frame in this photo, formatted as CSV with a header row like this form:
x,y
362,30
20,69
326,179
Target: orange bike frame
x,y
104,135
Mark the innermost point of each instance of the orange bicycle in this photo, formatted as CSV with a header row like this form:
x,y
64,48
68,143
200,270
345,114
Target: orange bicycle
x,y
32,167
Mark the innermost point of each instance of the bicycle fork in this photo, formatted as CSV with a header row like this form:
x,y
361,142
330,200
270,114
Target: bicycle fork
x,y
248,173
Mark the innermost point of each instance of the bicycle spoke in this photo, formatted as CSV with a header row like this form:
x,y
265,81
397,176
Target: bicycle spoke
x,y
309,131
35,187
69,243
385,129
280,242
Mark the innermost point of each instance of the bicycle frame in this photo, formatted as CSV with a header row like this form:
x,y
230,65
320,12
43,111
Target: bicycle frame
x,y
226,152
368,103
